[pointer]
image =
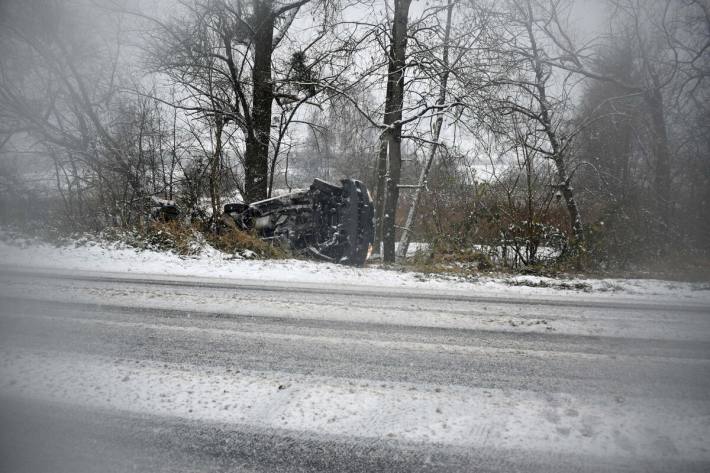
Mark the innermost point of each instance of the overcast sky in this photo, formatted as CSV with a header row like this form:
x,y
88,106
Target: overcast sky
x,y
589,16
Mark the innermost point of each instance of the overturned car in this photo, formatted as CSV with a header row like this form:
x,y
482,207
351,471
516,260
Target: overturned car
x,y
326,221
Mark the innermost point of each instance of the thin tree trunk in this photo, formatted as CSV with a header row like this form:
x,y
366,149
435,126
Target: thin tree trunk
x,y
391,198
215,168
531,245
558,153
436,132
173,156
572,208
381,175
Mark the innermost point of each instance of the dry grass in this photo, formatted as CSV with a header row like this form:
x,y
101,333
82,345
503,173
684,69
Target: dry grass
x,y
457,263
171,236
238,242
188,240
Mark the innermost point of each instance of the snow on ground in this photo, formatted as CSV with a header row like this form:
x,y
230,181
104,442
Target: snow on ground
x,y
513,420
211,263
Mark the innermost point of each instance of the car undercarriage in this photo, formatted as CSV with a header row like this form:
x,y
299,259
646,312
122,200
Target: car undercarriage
x,y
326,221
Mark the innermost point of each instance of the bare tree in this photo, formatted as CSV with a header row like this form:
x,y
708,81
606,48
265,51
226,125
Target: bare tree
x,y
69,102
222,56
669,41
522,90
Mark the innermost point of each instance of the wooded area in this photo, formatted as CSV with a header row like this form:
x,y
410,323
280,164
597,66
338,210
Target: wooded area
x,y
499,131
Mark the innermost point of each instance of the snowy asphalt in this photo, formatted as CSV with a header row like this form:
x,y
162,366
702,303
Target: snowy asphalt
x,y
150,374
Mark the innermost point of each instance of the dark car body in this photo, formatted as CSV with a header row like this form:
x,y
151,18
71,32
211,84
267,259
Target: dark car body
x,y
325,221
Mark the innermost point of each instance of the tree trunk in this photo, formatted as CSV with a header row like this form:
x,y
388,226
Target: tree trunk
x,y
444,77
572,208
215,168
256,166
531,243
391,199
421,183
393,118
662,174
558,156
381,175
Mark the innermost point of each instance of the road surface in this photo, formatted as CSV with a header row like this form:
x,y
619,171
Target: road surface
x,y
115,372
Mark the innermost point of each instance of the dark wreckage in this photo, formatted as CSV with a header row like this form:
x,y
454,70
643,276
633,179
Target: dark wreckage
x,y
325,221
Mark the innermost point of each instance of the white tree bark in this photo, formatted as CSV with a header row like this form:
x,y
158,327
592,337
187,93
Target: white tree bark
x,y
436,133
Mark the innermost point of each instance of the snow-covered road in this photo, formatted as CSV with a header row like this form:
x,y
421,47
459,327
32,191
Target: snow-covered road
x,y
158,373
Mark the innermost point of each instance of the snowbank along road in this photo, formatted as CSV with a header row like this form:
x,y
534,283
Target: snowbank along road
x,y
113,372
